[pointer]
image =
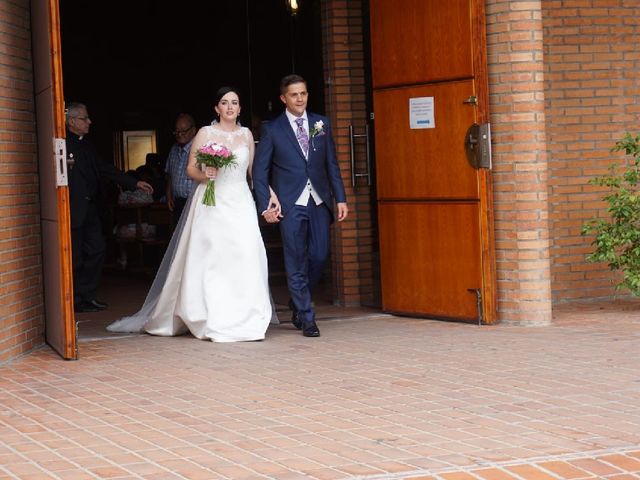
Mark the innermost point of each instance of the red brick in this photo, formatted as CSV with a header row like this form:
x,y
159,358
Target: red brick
x,y
21,298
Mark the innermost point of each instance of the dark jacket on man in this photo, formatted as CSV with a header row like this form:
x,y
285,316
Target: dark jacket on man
x,y
85,185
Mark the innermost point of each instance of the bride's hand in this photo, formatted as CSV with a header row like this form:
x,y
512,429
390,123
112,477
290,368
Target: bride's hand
x,y
211,172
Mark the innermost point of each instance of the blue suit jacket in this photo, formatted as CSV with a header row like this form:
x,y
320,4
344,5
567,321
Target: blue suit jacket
x,y
279,162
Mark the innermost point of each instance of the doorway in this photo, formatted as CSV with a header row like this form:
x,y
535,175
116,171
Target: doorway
x,y
136,65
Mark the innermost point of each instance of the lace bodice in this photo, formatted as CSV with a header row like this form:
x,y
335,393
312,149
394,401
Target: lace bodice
x,y
238,142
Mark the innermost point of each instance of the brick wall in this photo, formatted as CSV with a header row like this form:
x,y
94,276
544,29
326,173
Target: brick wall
x,y
592,91
21,301
354,260
516,88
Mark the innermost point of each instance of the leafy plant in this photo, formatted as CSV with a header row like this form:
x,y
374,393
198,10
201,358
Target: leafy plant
x,y
617,239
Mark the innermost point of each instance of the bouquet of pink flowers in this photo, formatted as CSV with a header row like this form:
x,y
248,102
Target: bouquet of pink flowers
x,y
212,154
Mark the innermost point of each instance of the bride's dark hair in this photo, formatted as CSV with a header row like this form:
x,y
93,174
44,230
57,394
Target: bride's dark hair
x,y
222,91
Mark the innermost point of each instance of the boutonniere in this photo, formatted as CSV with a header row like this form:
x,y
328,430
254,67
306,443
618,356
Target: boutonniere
x,y
318,129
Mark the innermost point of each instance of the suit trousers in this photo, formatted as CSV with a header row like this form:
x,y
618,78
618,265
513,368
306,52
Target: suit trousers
x,y
306,239
88,251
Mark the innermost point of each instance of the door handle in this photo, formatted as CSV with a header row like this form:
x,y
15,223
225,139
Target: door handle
x,y
352,154
477,145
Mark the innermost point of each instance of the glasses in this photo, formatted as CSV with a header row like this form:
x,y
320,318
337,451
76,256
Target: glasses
x,y
84,119
182,132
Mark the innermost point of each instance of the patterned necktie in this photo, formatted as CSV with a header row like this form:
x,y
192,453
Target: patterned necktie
x,y
301,135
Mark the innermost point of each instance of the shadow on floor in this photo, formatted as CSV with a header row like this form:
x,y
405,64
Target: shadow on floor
x,y
125,292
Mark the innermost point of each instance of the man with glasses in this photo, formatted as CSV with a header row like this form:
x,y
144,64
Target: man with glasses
x,y
87,204
179,184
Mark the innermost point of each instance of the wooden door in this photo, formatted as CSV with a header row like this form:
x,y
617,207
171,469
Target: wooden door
x,y
60,326
435,220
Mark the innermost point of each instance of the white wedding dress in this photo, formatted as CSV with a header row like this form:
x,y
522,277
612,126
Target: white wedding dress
x,y
213,281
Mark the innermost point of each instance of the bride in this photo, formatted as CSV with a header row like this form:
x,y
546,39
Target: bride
x,y
213,280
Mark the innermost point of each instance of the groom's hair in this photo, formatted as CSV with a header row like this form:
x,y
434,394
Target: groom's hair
x,y
290,80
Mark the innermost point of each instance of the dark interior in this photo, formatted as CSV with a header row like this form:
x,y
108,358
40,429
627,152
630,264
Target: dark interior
x,y
137,64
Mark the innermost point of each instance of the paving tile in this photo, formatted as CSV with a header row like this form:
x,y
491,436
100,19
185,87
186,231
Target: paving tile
x,y
391,466
144,468
37,476
457,476
356,469
163,476
530,472
595,466
108,472
493,474
563,470
55,465
623,462
325,474
74,475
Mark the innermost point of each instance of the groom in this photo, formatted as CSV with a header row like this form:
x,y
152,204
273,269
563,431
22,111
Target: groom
x,y
297,157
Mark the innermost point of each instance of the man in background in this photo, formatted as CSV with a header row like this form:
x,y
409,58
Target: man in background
x,y
179,184
87,204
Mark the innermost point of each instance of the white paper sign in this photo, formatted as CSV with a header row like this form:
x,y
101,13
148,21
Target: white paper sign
x,y
421,112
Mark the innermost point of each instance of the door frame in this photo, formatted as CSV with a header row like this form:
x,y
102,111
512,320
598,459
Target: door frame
x,y
487,235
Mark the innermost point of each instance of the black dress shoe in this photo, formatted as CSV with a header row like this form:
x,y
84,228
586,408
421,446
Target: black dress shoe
x,y
85,307
98,304
295,317
310,329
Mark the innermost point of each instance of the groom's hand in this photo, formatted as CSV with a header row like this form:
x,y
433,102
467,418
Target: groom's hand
x,y
343,211
272,215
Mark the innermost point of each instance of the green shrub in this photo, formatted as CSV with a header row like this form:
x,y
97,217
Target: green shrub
x,y
617,239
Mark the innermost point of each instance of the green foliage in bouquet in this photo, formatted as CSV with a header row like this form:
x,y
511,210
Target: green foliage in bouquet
x,y
617,238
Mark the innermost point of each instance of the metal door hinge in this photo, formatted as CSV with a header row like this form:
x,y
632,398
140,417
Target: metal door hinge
x,y
479,306
60,159
472,100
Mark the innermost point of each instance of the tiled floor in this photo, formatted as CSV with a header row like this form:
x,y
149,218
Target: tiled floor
x,y
375,397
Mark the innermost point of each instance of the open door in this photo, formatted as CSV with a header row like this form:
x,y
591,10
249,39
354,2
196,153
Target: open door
x,y
435,207
60,326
